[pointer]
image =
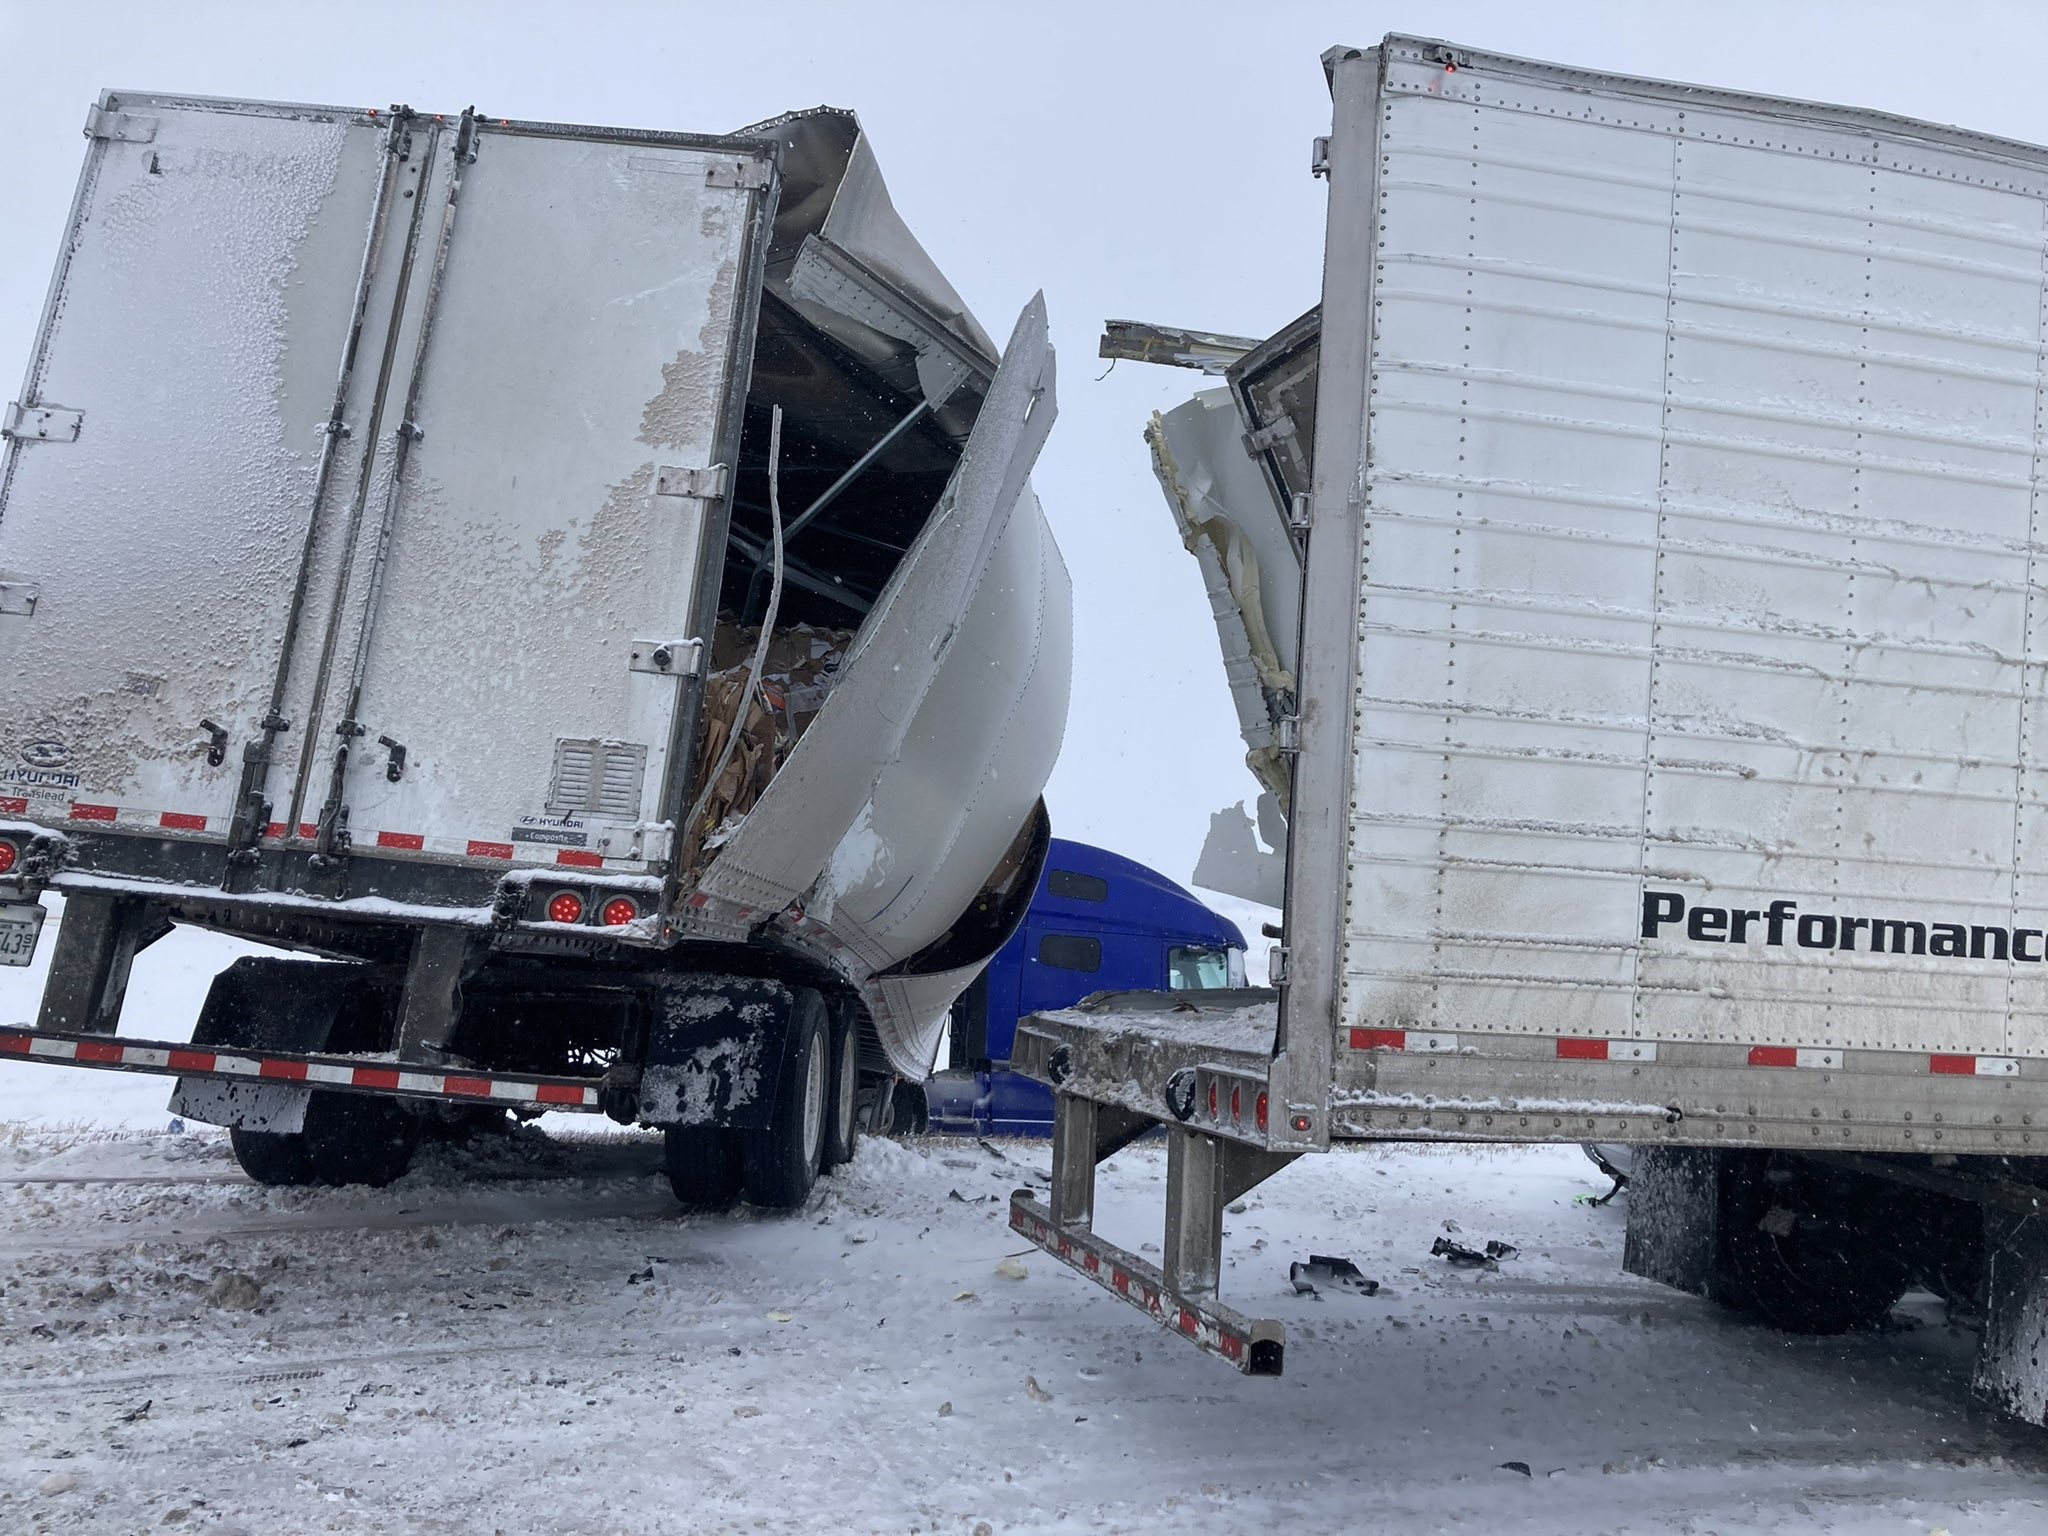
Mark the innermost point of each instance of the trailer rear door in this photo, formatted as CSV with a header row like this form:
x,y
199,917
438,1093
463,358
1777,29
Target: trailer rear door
x,y
509,674
164,453
364,478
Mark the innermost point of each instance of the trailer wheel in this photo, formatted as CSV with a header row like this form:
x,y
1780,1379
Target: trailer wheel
x,y
272,1157
347,1138
703,1164
842,1133
780,1164
1806,1248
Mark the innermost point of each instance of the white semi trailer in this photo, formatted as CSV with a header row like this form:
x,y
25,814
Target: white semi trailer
x,y
1630,578
583,580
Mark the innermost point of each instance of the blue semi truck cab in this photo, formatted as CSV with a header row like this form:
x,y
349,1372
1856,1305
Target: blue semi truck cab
x,y
1099,922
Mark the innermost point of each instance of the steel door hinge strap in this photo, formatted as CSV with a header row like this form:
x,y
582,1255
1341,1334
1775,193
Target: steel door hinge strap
x,y
701,484
745,175
124,127
1277,431
41,423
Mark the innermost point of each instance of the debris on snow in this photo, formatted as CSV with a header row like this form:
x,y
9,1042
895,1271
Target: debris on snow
x,y
1012,1269
1035,1392
1322,1269
1465,1257
57,1482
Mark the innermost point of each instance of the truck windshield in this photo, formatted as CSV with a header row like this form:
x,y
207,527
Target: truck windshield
x,y
1193,969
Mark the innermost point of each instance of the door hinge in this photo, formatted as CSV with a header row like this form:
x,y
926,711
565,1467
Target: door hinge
x,y
124,127
1278,430
1276,966
645,841
666,658
1319,155
19,597
41,423
1298,513
700,484
1287,733
745,175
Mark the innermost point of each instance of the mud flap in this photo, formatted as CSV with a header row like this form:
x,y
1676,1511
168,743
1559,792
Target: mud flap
x,y
714,1051
260,1003
1674,1218
2010,1375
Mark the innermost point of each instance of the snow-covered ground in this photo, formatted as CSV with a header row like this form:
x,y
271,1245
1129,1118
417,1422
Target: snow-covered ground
x,y
525,1335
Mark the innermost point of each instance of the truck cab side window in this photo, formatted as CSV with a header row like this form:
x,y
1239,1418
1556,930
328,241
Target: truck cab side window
x,y
1076,887
1193,968
1070,952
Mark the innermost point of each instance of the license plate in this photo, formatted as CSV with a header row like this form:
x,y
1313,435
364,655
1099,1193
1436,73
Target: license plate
x,y
19,928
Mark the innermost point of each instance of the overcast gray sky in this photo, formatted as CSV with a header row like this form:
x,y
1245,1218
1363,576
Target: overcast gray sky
x,y
1133,160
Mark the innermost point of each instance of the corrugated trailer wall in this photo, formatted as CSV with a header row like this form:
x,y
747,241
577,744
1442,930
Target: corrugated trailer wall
x,y
1696,730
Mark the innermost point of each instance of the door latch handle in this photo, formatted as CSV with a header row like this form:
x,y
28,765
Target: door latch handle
x,y
394,770
217,753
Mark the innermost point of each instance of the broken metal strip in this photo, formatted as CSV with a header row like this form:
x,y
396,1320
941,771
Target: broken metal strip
x,y
1135,341
339,1073
1255,1346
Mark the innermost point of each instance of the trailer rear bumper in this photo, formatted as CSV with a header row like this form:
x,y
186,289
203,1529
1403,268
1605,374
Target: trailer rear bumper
x,y
338,1074
1256,1346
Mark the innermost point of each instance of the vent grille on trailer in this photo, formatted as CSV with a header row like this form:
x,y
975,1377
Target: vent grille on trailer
x,y
597,778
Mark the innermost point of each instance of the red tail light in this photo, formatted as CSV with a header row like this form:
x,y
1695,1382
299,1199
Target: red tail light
x,y
619,911
8,854
1212,1101
1236,1105
565,907
1259,1111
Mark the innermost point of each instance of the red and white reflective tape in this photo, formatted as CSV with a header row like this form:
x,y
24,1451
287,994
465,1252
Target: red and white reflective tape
x,y
1255,1347
198,1061
491,850
1808,1057
122,815
1402,1040
1577,1048
1583,1048
1974,1066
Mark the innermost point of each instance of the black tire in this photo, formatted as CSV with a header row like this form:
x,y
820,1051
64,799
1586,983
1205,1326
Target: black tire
x,y
703,1164
779,1165
1806,1248
347,1138
272,1157
912,1111
842,1128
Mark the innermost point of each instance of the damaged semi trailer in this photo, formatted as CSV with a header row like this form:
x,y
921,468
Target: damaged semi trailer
x,y
1628,579
579,589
